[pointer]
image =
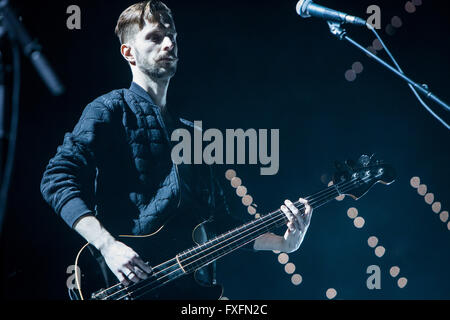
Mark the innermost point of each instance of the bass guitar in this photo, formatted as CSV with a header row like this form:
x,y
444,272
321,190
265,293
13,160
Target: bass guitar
x,y
176,276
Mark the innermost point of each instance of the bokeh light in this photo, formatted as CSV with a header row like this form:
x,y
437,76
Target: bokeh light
x,y
372,241
296,279
394,271
283,258
359,222
402,282
352,213
331,293
379,251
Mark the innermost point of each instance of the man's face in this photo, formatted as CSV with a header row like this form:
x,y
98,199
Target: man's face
x,y
156,50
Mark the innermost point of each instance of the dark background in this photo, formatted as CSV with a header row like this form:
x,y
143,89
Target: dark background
x,y
256,64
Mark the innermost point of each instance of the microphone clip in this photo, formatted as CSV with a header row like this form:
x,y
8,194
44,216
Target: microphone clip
x,y
337,29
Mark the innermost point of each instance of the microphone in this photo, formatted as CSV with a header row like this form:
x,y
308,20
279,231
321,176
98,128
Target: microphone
x,y
306,9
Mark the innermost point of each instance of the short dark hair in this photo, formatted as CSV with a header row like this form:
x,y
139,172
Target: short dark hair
x,y
153,11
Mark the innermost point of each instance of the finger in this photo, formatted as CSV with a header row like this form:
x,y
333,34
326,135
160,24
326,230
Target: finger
x,y
291,206
134,278
308,208
291,227
142,265
140,273
308,212
132,273
123,278
288,213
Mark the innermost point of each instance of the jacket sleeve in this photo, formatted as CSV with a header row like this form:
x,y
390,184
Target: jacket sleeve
x,y
68,183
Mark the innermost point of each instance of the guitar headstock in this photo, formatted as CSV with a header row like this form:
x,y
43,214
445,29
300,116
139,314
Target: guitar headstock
x,y
356,178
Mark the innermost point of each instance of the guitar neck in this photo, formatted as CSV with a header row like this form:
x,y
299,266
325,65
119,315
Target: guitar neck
x,y
201,255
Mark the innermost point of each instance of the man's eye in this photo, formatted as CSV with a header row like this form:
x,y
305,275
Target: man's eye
x,y
156,38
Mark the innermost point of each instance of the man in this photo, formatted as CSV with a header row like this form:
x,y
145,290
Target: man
x,y
113,174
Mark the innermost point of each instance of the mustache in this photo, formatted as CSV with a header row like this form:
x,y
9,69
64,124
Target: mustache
x,y
168,57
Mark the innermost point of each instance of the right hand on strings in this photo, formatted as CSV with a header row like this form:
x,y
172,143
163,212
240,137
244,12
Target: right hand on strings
x,y
125,263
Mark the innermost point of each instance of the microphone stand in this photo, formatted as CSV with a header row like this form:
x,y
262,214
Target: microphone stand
x,y
337,30
30,48
19,39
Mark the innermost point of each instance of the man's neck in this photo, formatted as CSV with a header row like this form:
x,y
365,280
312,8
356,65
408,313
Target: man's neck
x,y
156,89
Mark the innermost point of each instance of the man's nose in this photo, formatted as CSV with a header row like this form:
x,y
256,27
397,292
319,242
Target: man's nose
x,y
168,44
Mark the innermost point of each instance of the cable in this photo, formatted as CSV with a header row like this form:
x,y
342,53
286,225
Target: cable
x,y
412,88
9,164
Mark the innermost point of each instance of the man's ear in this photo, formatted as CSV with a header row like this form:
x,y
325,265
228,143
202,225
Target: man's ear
x,y
127,52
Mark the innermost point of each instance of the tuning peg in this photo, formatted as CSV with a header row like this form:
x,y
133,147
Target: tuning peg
x,y
364,160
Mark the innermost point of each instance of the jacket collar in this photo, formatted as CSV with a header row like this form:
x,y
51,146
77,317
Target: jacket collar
x,y
137,89
141,92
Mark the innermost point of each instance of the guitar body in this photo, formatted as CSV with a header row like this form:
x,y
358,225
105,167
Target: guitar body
x,y
159,246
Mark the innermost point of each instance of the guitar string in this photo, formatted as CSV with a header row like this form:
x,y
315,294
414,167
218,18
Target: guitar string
x,y
279,220
319,195
175,264
324,192
283,218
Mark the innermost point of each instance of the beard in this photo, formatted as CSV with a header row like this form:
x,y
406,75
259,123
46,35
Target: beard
x,y
157,70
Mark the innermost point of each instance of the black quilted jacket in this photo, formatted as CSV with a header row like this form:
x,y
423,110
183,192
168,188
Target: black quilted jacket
x,y
116,164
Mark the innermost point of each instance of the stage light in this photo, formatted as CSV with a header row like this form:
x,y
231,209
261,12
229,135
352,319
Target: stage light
x,y
429,198
444,216
352,213
376,44
372,50
372,241
402,282
236,182
415,182
396,22
331,293
379,251
296,279
422,189
357,67
436,207
350,75
410,7
359,222
283,258
257,216
247,200
241,191
251,210
289,268
394,271
230,174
